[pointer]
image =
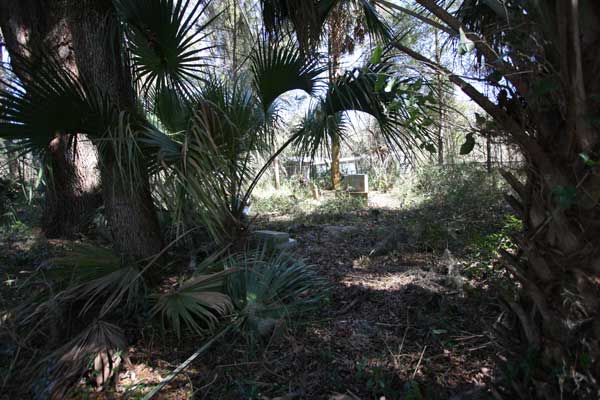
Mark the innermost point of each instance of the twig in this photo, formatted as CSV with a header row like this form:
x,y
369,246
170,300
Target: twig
x,y
419,363
348,307
483,346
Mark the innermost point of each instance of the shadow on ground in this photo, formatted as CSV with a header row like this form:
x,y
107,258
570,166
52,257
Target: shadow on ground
x,y
401,323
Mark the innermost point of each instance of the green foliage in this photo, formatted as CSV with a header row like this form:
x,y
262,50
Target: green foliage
x,y
196,304
278,68
97,277
379,381
565,196
399,109
468,146
341,205
8,195
413,391
52,100
376,55
166,39
484,249
270,289
458,204
283,204
308,19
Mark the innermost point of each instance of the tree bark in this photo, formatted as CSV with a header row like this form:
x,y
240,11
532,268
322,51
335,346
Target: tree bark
x,y
128,202
440,87
276,174
335,40
32,28
488,153
336,175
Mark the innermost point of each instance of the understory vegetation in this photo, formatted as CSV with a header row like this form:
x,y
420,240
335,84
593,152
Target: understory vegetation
x,y
264,301
285,199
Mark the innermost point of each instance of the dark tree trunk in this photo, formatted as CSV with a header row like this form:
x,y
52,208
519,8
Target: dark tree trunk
x,y
72,194
440,87
128,203
488,153
30,28
560,205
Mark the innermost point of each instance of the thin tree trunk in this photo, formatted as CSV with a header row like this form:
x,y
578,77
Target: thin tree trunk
x,y
30,28
488,153
128,202
335,52
276,174
439,77
336,175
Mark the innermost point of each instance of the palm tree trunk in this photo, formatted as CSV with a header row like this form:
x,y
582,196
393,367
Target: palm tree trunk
x,y
276,174
128,203
31,28
336,175
335,53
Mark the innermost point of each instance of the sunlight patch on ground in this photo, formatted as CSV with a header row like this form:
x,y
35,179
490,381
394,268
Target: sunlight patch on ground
x,y
386,282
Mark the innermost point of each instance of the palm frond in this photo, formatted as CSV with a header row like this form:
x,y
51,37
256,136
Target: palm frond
x,y
95,276
271,288
173,110
196,305
277,69
51,101
100,341
377,89
167,40
305,18
317,129
219,151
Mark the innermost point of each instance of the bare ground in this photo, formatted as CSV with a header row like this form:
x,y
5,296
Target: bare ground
x,y
402,324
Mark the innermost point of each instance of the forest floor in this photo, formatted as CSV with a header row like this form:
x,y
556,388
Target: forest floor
x,y
402,322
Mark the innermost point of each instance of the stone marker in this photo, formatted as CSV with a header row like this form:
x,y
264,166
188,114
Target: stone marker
x,y
275,240
272,237
356,183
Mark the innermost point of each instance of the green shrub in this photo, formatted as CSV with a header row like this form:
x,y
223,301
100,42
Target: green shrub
x,y
457,206
342,204
462,187
9,192
277,203
269,290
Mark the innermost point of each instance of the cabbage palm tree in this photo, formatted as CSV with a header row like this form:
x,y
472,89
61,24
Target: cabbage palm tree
x,y
212,155
152,105
123,54
340,25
